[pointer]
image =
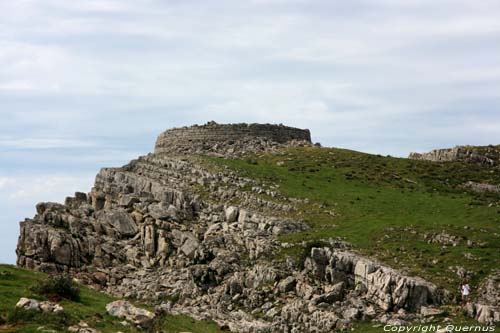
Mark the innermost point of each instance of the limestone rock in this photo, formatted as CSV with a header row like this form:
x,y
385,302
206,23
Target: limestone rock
x,y
117,222
124,309
28,304
231,214
287,284
82,327
486,156
45,306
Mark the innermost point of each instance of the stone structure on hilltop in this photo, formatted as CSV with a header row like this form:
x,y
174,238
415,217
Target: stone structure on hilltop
x,y
229,139
169,229
484,155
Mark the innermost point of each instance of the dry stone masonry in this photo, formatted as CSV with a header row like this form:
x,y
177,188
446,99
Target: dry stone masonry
x,y
229,139
172,231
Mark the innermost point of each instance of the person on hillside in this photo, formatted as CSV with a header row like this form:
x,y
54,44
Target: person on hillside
x,y
465,291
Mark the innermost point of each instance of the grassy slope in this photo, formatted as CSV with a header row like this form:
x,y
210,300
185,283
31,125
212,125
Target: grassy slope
x,y
385,206
15,283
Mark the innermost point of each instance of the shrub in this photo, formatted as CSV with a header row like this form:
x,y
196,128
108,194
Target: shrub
x,y
57,287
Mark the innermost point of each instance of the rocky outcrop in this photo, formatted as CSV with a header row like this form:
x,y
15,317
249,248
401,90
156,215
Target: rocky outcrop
x,y
381,285
481,187
172,231
483,155
485,308
44,306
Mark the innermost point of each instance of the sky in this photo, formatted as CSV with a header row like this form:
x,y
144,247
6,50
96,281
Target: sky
x,y
89,84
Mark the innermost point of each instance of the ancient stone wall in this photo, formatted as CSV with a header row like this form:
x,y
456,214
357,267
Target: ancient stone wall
x,y
213,133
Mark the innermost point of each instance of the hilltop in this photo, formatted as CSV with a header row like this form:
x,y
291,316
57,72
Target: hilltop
x,y
255,228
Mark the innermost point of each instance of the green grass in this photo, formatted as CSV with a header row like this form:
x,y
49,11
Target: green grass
x,y
91,308
385,205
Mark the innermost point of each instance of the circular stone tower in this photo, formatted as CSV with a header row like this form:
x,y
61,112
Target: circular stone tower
x,y
200,137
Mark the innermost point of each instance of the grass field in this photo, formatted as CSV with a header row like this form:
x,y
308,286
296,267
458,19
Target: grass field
x,y
385,206
16,283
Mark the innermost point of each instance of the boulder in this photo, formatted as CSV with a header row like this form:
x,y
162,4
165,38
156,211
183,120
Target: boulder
x,y
190,246
124,309
118,221
163,211
28,304
231,214
33,304
287,284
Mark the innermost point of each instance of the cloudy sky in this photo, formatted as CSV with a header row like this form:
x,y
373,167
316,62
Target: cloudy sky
x,y
90,83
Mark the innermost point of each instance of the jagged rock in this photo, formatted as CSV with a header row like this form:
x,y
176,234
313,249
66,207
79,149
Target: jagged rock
x,y
124,309
485,314
116,223
189,246
486,156
162,211
385,286
287,284
443,238
486,307
231,214
28,304
32,304
350,314
335,294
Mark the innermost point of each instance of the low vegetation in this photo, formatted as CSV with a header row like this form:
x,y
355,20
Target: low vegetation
x,y
58,287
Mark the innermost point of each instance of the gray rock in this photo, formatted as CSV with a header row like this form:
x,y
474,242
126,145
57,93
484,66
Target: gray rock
x,y
28,304
189,246
231,214
124,309
117,221
287,284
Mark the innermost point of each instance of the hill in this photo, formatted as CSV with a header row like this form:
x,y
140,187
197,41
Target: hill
x,y
253,227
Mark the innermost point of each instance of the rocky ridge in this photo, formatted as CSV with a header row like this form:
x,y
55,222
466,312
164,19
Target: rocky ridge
x,y
170,230
483,155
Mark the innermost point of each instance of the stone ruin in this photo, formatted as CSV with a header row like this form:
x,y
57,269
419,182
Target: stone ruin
x,y
229,139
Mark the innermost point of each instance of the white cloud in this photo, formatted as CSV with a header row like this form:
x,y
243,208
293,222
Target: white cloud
x,y
25,190
43,143
4,181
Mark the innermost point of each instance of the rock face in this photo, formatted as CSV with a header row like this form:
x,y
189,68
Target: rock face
x,y
486,308
169,230
486,156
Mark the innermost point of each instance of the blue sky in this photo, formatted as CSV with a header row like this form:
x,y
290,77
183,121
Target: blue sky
x,y
87,84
